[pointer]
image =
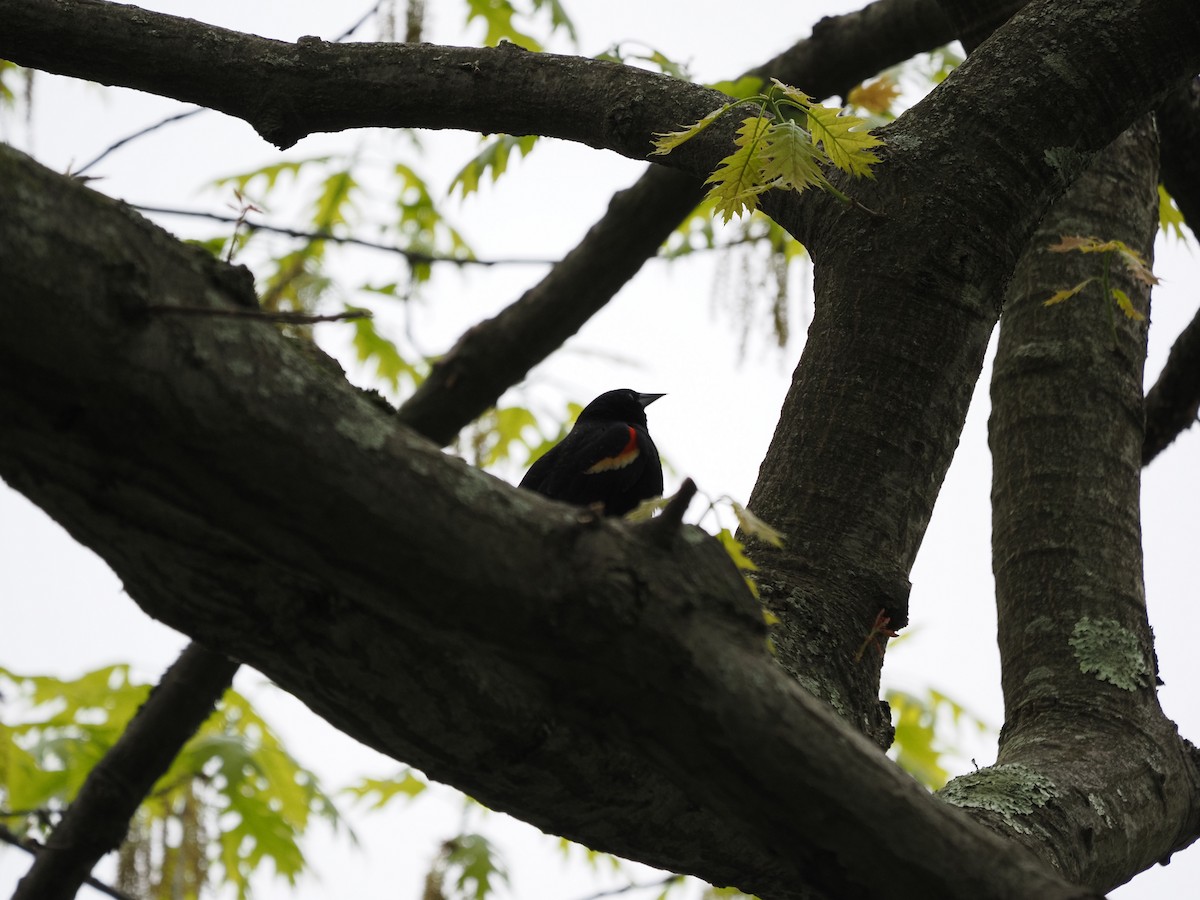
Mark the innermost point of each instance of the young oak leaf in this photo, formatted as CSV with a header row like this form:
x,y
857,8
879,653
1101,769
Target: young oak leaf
x,y
1126,305
794,96
1067,293
738,180
1133,261
848,149
875,96
753,525
791,159
667,141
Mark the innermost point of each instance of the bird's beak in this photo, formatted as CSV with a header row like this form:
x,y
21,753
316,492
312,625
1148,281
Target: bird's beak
x,y
647,399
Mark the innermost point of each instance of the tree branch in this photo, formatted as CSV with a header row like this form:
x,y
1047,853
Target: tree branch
x,y
98,818
1174,401
1085,739
467,622
314,85
33,848
412,256
1172,404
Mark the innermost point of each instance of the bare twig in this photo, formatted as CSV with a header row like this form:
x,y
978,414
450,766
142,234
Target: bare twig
x,y
411,255
633,886
179,117
263,315
33,847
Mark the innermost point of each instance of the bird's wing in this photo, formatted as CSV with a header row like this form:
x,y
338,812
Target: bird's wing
x,y
566,470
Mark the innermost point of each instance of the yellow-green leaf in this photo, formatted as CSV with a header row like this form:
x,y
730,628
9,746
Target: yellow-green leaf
x,y
738,180
753,525
791,159
667,141
875,96
745,87
846,140
794,96
1126,305
1170,219
1067,293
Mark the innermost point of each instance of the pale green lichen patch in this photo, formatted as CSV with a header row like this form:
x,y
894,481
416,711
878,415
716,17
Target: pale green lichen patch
x,y
1067,162
1010,790
1097,803
1108,650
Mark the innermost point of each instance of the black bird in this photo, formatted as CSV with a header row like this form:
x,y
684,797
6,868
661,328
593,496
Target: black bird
x,y
607,458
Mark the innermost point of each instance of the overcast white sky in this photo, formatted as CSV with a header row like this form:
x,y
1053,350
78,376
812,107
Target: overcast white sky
x,y
64,610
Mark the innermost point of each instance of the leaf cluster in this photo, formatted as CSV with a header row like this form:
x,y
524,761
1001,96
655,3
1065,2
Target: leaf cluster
x,y
233,799
1134,263
784,146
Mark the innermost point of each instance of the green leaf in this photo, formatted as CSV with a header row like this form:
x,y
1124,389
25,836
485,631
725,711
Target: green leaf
x,y
756,527
846,140
792,96
334,201
665,142
498,15
558,17
235,768
738,180
792,160
1170,219
1067,293
384,790
1126,305
477,864
268,175
743,89
371,346
493,159
915,738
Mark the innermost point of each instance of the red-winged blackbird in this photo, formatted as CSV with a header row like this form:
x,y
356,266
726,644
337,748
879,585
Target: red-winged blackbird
x,y
607,458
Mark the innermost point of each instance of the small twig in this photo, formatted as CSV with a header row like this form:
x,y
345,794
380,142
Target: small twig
x,y
879,628
32,847
178,117
612,892
263,315
662,529
411,255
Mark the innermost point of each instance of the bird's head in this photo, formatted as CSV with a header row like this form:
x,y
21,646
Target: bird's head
x,y
622,405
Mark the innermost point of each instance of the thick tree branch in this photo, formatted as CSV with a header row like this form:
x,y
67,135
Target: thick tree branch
x,y
1172,404
314,85
571,673
98,818
1174,401
1178,117
1084,736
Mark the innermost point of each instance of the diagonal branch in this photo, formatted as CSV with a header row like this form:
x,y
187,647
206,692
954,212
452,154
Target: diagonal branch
x,y
98,818
1171,405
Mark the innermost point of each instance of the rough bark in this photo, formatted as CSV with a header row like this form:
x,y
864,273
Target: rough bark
x,y
1084,736
98,819
570,670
